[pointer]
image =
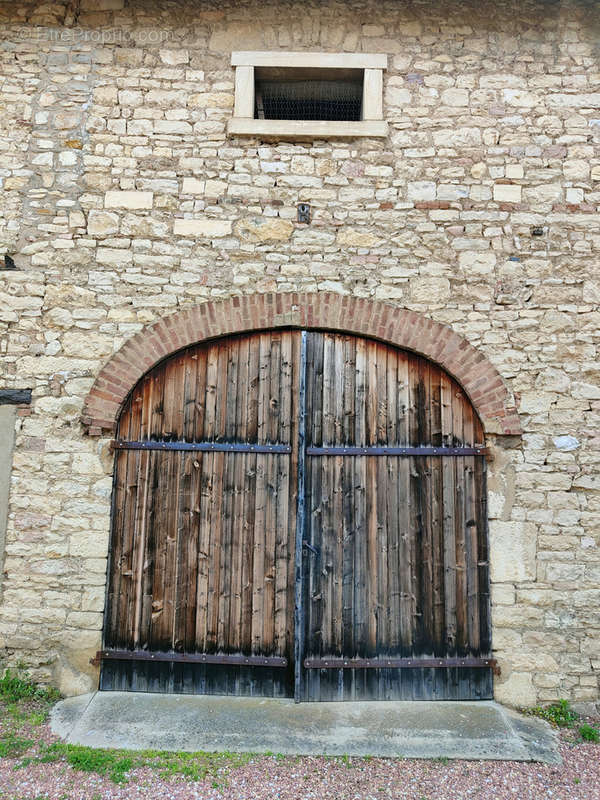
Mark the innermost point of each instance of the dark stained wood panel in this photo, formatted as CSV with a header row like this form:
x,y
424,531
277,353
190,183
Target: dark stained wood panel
x,y
401,563
203,542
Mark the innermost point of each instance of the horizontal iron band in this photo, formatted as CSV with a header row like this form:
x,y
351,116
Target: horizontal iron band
x,y
220,447
396,451
190,658
394,663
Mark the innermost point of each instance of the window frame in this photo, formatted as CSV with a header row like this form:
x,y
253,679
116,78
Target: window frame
x,y
243,122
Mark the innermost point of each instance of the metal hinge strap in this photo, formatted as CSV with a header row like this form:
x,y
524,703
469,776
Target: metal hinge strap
x,y
189,658
381,662
221,447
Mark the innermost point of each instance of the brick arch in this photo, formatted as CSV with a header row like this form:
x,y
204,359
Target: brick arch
x,y
397,326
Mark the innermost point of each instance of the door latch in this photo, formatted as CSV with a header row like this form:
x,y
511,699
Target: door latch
x,y
312,549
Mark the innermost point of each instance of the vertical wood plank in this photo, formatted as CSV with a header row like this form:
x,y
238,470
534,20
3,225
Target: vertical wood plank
x,y
300,642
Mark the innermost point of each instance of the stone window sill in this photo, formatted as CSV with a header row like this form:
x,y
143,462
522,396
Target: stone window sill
x,y
302,129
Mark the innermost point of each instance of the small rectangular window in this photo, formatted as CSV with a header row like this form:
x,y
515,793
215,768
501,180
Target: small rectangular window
x,y
330,95
308,95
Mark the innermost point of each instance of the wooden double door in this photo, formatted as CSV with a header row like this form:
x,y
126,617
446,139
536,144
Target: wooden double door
x,y
299,514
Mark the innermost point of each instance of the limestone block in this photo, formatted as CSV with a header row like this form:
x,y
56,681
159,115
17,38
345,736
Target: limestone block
x,y
131,97
568,517
586,391
106,95
574,196
421,191
264,229
172,127
536,402
215,188
87,544
512,551
86,464
102,5
514,171
451,191
166,98
544,481
507,193
302,165
129,56
521,98
128,199
478,263
102,223
82,344
430,289
114,256
68,158
395,96
68,408
93,599
533,661
502,594
193,186
457,137
576,169
211,100
144,226
467,243
71,682
545,193
89,620
587,482
140,127
591,100
59,318
204,227
570,573
174,57
352,237
455,97
66,120
517,690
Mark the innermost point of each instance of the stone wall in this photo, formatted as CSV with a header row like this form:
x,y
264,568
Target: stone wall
x,y
123,200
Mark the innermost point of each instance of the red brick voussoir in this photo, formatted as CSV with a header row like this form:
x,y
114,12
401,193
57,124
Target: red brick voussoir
x,y
326,310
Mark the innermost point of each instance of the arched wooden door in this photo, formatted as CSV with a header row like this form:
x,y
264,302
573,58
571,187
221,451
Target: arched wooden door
x,y
299,514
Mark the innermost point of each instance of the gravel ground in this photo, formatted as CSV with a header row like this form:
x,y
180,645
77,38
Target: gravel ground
x,y
309,778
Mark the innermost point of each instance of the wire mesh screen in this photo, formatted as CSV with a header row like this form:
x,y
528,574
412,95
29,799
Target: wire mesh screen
x,y
316,100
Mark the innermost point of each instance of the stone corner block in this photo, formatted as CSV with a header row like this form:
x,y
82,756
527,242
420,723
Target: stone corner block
x,y
512,551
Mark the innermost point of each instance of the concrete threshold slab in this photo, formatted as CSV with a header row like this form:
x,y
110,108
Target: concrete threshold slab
x,y
465,730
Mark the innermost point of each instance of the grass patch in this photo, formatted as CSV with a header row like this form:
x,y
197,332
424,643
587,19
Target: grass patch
x,y
117,764
588,733
16,685
193,766
114,764
24,706
13,746
560,714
